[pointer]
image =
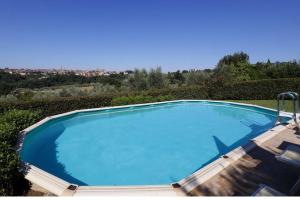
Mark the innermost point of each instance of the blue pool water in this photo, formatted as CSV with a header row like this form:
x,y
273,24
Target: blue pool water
x,y
148,145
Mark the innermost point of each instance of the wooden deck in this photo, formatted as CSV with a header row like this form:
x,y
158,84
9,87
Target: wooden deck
x,y
258,166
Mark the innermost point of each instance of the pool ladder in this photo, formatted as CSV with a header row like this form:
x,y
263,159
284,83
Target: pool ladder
x,y
294,96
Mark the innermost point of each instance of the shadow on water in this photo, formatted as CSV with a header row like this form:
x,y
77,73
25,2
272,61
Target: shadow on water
x,y
46,158
220,145
256,129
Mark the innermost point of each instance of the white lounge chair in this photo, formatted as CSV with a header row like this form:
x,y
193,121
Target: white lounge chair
x,y
291,155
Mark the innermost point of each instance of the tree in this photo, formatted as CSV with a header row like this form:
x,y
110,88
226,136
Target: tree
x,y
155,78
197,78
176,78
138,81
232,68
234,59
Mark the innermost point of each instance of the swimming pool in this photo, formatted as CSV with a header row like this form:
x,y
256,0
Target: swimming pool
x,y
142,145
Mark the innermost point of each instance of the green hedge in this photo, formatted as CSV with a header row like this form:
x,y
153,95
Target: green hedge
x,y
56,106
251,90
254,90
192,92
60,105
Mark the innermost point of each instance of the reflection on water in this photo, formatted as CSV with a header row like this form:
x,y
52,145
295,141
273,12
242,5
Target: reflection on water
x,y
234,112
88,117
44,154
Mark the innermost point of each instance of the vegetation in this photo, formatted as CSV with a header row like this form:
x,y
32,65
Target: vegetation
x,y
26,99
230,71
9,83
12,180
48,107
249,90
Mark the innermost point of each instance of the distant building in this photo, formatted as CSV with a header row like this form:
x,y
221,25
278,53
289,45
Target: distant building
x,y
61,71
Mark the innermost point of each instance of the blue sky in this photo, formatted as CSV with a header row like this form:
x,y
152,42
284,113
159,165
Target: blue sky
x,y
124,34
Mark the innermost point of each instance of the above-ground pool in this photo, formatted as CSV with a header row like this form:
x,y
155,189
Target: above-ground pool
x,y
142,145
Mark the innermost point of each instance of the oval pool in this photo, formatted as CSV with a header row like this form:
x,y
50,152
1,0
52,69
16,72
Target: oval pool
x,y
142,145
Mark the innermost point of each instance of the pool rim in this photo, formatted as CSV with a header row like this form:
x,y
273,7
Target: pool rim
x,y
61,187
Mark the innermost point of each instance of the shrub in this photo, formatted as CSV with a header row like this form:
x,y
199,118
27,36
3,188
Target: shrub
x,y
8,98
51,94
7,133
19,119
12,122
99,88
12,181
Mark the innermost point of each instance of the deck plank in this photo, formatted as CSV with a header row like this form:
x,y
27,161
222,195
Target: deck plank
x,y
258,166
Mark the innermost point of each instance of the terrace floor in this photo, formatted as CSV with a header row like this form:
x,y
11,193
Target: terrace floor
x,y
258,166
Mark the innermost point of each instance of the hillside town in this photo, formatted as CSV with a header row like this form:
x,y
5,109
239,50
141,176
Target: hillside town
x,y
61,71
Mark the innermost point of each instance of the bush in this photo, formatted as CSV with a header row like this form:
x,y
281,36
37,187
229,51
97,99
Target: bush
x,y
19,119
12,122
8,98
7,133
12,181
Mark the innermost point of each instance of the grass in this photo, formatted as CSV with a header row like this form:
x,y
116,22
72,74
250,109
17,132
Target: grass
x,y
266,103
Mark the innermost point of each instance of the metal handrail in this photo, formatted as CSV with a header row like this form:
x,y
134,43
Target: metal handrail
x,y
295,98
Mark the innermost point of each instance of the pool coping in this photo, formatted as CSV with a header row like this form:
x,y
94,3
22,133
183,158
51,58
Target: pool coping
x,y
60,187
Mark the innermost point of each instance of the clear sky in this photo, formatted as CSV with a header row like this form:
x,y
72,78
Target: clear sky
x,y
123,34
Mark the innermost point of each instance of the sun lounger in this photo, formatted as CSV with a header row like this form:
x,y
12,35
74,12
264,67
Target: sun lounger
x,y
265,190
291,155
